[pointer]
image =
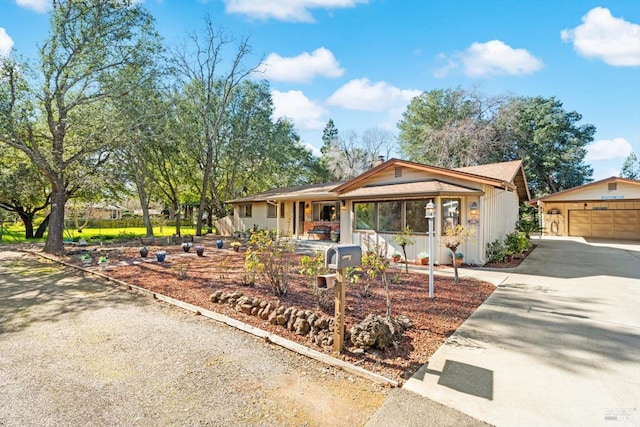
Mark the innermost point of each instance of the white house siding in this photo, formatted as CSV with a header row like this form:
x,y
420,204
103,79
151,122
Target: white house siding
x,y
498,216
259,219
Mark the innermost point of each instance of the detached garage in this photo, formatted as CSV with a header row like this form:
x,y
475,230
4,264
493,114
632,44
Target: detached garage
x,y
609,209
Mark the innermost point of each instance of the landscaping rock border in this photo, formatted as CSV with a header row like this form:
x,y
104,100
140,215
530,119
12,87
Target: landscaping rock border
x,y
318,327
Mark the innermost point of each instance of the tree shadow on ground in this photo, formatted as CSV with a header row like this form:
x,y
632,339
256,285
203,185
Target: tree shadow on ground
x,y
36,290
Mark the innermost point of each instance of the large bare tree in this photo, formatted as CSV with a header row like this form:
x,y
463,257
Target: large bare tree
x,y
209,78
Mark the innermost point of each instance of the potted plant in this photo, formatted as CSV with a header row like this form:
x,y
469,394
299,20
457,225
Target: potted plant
x,y
186,246
219,243
144,251
235,246
459,257
86,259
161,255
396,256
335,235
424,258
199,250
103,260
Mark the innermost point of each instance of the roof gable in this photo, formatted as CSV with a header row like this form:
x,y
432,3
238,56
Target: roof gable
x,y
507,174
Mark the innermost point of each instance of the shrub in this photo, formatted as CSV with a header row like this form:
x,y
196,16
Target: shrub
x,y
517,242
528,227
271,258
313,266
496,251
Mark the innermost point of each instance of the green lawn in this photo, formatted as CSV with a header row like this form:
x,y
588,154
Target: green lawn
x,y
14,233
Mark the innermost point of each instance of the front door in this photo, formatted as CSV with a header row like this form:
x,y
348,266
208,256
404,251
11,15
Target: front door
x,y
300,220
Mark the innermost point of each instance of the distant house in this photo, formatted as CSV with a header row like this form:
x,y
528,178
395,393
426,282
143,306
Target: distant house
x,y
382,201
105,211
609,208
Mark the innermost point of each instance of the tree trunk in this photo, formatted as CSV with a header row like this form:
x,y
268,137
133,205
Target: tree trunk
x,y
455,264
176,209
54,244
406,263
205,182
42,228
144,201
27,220
386,288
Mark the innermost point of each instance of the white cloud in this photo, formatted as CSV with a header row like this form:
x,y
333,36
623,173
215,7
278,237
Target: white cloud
x,y
362,95
38,5
491,59
302,68
306,114
604,149
6,43
613,40
285,10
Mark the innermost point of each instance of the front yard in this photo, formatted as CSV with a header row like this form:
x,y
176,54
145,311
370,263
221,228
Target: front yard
x,y
193,279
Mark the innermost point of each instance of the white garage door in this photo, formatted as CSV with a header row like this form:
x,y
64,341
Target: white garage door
x,y
610,224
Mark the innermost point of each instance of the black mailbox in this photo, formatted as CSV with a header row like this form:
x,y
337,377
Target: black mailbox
x,y
343,256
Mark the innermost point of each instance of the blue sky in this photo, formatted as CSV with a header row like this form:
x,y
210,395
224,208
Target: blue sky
x,y
360,62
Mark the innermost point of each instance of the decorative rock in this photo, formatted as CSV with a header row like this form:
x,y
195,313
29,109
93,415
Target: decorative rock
x,y
215,297
280,319
273,318
405,322
254,310
311,318
301,326
245,308
322,323
376,331
280,310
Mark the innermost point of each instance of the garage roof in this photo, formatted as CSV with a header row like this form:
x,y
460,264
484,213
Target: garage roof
x,y
560,194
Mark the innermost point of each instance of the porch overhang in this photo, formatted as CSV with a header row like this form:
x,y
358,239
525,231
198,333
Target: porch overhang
x,y
410,190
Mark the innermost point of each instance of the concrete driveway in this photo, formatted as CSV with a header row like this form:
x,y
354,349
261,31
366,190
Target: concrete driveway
x,y
557,344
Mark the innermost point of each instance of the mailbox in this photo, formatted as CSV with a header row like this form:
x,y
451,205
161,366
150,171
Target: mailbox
x,y
343,256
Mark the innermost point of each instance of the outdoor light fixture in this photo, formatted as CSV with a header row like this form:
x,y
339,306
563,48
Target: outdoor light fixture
x,y
430,210
474,208
430,214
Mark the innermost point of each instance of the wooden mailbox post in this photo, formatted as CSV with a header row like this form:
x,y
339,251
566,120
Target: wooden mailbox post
x,y
339,258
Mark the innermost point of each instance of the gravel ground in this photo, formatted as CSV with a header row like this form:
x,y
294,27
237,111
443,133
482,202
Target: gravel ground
x,y
77,351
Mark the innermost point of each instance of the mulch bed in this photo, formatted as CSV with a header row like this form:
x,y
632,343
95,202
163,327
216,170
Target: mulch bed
x,y
193,279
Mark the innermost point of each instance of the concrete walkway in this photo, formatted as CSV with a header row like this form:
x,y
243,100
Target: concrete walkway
x,y
557,344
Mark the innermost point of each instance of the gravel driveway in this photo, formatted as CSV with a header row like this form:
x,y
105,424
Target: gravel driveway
x,y
76,350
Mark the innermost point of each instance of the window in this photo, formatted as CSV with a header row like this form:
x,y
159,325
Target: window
x,y
272,210
613,186
326,211
244,210
390,216
450,213
365,215
415,220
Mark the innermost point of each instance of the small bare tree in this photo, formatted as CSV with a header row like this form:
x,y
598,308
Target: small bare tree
x,y
404,239
452,238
